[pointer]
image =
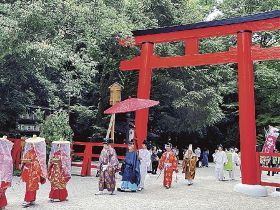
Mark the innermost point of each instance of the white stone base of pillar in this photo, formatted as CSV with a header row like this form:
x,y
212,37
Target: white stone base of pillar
x,y
251,190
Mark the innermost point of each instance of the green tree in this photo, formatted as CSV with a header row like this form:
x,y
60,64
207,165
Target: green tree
x,y
56,127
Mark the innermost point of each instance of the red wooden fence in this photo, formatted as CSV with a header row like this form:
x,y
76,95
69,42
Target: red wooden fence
x,y
88,155
261,168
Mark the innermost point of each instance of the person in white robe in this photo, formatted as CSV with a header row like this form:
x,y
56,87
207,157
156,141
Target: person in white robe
x,y
145,161
151,152
235,162
197,152
220,160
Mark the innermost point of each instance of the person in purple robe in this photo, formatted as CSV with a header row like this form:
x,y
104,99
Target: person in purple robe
x,y
108,166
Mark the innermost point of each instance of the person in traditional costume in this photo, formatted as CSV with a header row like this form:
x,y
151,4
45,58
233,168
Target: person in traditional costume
x,y
59,170
155,160
229,165
145,162
235,162
108,166
189,165
150,148
6,169
272,162
205,155
220,160
130,171
34,169
168,162
197,152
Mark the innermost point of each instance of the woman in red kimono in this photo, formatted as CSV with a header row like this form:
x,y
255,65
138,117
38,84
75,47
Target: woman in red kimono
x,y
59,170
6,169
168,162
33,167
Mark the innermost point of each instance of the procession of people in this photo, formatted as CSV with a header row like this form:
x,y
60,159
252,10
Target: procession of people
x,y
133,171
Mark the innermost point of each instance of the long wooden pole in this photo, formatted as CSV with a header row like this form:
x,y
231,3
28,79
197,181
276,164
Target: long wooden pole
x,y
113,127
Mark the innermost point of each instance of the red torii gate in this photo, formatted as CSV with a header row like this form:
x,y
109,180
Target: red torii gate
x,y
244,55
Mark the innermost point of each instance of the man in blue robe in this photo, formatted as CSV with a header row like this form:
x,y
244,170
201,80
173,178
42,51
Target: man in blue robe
x,y
205,155
130,171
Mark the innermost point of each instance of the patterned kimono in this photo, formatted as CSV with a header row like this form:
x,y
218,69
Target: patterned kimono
x,y
168,162
189,166
108,166
58,177
131,172
32,175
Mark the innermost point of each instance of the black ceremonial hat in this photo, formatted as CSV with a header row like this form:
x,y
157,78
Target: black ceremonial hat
x,y
107,141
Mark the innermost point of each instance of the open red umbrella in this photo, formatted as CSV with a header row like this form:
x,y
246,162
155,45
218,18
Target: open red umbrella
x,y
131,104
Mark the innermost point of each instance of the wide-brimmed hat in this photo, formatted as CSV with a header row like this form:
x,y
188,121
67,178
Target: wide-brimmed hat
x,y
35,139
60,142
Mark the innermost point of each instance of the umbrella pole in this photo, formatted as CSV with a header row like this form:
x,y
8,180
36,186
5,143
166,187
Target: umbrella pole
x,y
110,127
113,128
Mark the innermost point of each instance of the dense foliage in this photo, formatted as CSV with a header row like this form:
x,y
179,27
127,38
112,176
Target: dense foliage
x,y
56,127
65,54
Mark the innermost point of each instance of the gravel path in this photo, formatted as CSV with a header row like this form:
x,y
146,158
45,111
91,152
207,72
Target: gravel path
x,y
206,193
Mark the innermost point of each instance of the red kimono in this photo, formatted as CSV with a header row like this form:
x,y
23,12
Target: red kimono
x,y
58,178
32,175
168,162
3,199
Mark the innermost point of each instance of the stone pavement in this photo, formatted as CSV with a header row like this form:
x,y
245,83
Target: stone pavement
x,y
206,193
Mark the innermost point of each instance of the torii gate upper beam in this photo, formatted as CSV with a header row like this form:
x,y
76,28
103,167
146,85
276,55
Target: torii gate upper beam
x,y
268,21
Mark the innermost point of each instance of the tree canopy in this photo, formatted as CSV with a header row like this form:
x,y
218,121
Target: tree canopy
x,y
60,53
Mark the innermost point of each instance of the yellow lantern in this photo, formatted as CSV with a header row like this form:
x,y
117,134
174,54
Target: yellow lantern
x,y
115,93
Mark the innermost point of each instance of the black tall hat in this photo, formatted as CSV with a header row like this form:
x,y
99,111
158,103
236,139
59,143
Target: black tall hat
x,y
168,145
107,141
131,143
145,142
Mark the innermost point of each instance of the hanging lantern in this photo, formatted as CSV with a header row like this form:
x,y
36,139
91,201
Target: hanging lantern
x,y
115,93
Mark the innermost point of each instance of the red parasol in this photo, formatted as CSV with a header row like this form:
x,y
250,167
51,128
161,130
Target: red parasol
x,y
131,104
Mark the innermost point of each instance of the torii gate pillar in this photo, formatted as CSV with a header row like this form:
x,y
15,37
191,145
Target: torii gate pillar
x,y
247,123
144,90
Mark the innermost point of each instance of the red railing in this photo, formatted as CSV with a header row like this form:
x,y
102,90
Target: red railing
x,y
261,168
87,155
